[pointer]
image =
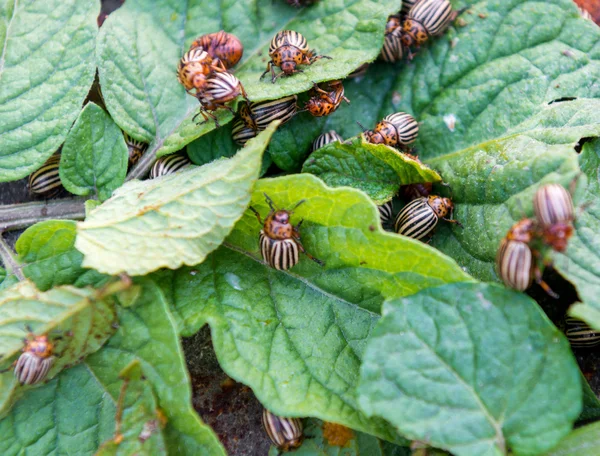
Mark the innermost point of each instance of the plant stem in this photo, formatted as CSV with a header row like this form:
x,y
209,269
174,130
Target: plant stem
x,y
142,167
15,216
8,258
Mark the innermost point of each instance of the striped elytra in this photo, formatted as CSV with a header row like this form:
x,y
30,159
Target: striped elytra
x,y
419,217
552,204
169,164
281,254
285,433
406,126
392,50
37,358
46,180
241,133
386,212
407,5
426,18
221,88
221,45
514,264
260,114
135,148
194,69
288,38
326,138
579,334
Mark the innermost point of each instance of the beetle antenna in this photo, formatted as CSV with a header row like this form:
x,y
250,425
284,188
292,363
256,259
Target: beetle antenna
x,y
270,202
361,126
297,204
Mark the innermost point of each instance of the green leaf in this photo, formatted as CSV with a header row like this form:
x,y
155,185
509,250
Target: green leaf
x,y
94,157
177,219
472,368
591,403
376,169
138,51
7,279
139,427
47,67
296,338
147,334
87,314
584,441
47,250
580,264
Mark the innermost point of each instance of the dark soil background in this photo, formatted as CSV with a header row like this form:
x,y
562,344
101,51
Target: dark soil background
x,y
230,408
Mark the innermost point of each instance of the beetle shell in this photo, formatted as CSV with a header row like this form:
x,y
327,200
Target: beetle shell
x,y
135,148
194,69
386,212
426,18
514,264
398,129
407,5
394,22
553,204
392,50
579,334
326,138
416,220
288,38
222,46
46,180
259,115
241,133
285,433
169,164
322,104
221,88
36,360
281,254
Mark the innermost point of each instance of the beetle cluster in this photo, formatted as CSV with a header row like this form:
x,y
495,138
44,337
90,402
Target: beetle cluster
x,y
520,253
204,72
412,27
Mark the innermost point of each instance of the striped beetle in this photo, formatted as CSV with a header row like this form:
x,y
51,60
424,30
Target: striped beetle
x,y
397,130
194,69
326,138
169,164
579,334
386,212
426,18
392,50
279,240
220,88
259,115
34,363
46,181
135,148
285,433
241,133
324,102
407,5
516,261
394,22
287,50
554,211
221,46
419,217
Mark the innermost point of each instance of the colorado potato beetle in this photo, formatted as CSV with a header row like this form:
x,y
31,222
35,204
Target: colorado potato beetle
x,y
220,88
424,19
46,181
35,361
386,212
397,130
326,138
169,164
287,50
279,240
324,102
241,133
407,5
392,50
259,115
419,217
579,334
285,433
194,69
555,214
135,148
394,22
221,46
516,261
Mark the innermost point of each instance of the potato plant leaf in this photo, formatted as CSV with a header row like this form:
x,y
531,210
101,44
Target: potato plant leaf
x,y
86,315
472,368
138,430
47,65
138,52
376,169
47,252
173,220
296,338
583,441
94,157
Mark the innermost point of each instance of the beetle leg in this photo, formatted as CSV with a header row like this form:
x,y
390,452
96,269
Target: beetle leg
x,y
453,221
296,238
244,94
538,279
345,99
269,68
318,89
257,215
